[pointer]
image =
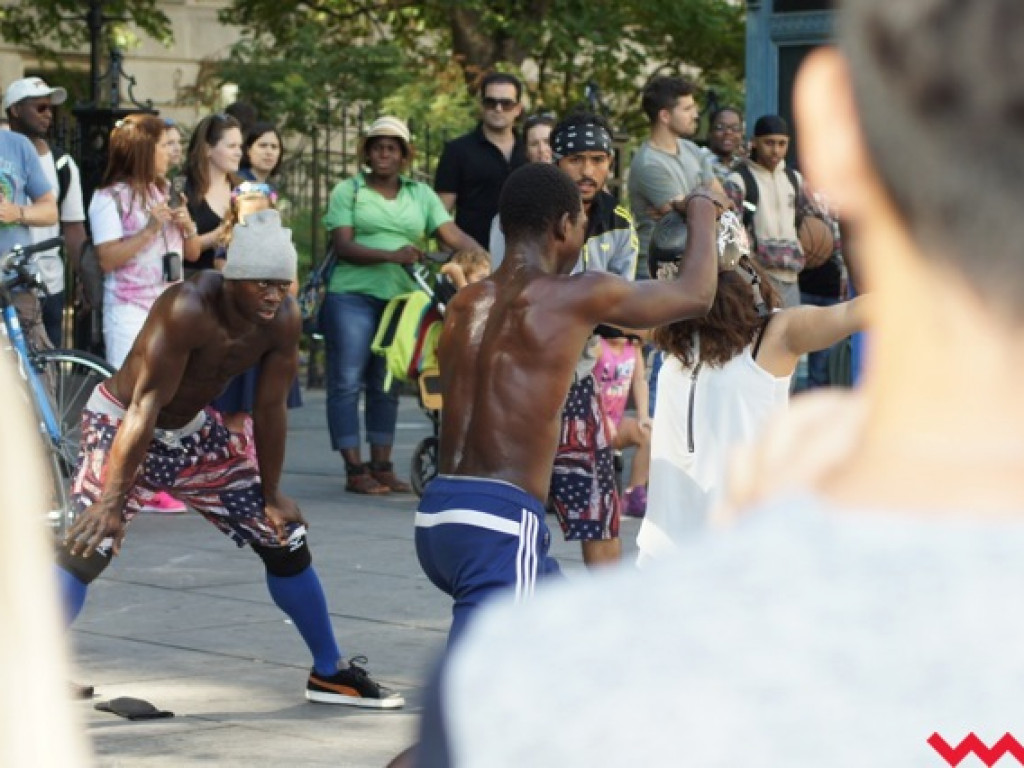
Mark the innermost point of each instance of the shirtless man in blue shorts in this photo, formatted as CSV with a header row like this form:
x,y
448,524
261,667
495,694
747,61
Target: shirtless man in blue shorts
x,y
508,352
149,429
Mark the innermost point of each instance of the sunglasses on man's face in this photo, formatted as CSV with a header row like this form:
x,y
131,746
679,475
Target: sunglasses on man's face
x,y
41,108
492,103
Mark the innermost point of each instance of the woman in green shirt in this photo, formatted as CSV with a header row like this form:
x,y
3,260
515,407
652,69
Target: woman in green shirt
x,y
378,221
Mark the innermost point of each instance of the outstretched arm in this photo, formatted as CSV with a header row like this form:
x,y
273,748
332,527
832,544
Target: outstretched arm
x,y
796,331
166,346
270,415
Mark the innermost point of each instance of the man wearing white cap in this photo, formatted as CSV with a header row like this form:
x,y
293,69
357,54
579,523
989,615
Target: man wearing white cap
x,y
29,104
149,429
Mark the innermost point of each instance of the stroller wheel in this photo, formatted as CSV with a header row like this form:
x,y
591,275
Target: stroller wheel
x,y
424,464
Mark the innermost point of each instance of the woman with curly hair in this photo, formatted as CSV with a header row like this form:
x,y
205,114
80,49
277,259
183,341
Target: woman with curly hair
x,y
722,377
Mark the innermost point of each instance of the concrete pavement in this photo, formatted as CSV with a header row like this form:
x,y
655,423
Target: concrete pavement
x,y
182,618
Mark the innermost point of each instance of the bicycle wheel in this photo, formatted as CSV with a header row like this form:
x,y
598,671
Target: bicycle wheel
x,y
59,512
71,376
424,464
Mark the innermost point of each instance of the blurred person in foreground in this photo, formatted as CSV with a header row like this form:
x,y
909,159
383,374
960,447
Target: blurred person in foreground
x,y
38,726
858,612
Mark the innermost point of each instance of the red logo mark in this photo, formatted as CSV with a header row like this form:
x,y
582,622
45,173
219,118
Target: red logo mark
x,y
989,756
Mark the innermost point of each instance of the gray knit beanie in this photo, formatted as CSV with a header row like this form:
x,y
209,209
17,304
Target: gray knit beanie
x,y
261,249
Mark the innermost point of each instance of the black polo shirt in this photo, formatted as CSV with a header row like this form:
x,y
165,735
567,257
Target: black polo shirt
x,y
475,170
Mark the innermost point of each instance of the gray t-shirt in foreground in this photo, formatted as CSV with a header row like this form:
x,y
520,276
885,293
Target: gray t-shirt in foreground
x,y
807,637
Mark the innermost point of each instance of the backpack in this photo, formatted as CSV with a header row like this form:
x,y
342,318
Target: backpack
x,y
62,162
314,290
407,336
752,195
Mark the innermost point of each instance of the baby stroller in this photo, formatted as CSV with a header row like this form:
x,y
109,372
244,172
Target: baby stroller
x,y
407,338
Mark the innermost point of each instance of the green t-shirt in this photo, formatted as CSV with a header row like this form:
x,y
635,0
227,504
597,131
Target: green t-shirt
x,y
409,219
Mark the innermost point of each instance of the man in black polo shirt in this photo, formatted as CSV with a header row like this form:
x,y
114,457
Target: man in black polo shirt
x,y
473,167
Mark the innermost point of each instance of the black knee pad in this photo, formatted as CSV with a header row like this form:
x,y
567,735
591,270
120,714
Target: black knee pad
x,y
85,569
289,560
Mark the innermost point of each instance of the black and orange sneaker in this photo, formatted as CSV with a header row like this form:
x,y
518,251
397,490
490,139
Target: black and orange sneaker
x,y
352,686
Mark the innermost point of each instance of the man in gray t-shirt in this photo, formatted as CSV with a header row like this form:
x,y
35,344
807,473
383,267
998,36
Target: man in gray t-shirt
x,y
668,166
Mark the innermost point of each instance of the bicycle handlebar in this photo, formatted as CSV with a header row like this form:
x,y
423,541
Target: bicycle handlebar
x,y
17,259
19,254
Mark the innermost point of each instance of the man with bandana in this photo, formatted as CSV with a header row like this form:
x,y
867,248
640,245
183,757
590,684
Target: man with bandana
x,y
583,494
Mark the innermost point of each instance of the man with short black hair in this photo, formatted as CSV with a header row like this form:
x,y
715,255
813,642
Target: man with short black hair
x,y
30,105
474,166
668,166
508,355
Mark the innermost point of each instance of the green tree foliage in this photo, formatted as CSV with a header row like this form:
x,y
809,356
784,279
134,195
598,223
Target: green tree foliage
x,y
404,53
49,26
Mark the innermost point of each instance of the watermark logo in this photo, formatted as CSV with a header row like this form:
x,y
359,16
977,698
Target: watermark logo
x,y
1007,745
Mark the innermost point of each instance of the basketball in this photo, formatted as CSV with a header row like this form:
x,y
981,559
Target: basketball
x,y
817,241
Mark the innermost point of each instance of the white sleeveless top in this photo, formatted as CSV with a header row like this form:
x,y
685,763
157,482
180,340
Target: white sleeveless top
x,y
689,460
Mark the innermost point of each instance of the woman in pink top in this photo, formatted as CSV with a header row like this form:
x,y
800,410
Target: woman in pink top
x,y
620,371
141,242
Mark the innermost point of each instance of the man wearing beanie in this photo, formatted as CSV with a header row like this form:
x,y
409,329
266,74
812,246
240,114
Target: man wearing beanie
x,y
149,429
770,194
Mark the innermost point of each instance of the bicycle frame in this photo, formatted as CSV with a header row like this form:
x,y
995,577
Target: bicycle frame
x,y
15,339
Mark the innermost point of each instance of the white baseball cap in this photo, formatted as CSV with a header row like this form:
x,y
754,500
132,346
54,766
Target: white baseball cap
x,y
30,88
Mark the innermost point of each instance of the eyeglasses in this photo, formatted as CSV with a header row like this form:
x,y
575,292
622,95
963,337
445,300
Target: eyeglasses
x,y
490,102
727,128
43,107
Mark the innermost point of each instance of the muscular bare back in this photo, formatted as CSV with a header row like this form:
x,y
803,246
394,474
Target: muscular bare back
x,y
510,345
194,335
501,421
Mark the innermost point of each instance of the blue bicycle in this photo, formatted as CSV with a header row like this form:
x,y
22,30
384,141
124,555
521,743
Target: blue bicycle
x,y
58,381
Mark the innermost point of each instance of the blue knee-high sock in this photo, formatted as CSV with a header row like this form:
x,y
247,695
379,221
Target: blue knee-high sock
x,y
72,592
302,598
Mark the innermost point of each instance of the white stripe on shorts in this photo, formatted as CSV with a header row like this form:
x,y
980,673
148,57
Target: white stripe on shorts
x,y
468,517
526,557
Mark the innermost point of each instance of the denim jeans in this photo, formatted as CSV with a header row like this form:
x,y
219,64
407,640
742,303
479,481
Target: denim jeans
x,y
349,322
817,362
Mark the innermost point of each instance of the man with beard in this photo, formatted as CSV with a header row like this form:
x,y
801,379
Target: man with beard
x,y
668,166
583,494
